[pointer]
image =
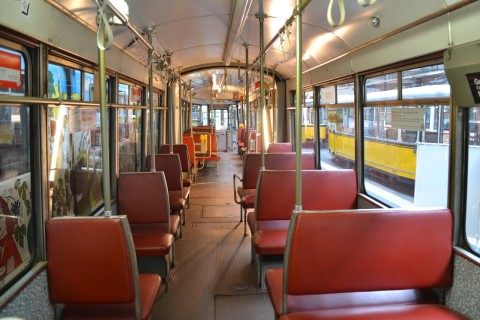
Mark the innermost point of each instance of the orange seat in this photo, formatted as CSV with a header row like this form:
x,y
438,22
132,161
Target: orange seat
x,y
94,273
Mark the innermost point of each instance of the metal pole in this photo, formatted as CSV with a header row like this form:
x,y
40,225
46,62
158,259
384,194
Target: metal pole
x,y
191,108
150,31
247,102
298,110
261,17
104,129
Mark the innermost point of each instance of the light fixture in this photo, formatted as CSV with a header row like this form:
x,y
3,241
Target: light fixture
x,y
374,21
119,9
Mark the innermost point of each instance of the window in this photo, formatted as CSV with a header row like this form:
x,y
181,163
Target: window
x,y
16,238
401,139
473,182
74,144
337,126
129,128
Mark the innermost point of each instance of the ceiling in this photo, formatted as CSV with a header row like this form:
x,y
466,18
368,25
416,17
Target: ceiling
x,y
208,37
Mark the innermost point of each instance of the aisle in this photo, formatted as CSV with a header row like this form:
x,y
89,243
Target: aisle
x,y
213,278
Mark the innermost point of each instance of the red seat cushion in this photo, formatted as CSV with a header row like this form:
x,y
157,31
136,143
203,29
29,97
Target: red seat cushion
x,y
424,312
270,242
299,303
248,201
152,244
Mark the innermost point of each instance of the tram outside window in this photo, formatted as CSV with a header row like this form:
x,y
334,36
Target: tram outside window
x,y
337,126
16,238
402,138
74,145
129,128
472,224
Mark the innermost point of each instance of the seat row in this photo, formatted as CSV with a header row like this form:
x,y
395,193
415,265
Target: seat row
x,y
133,251
343,262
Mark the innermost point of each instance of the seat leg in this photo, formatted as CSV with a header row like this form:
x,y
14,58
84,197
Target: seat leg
x,y
245,222
241,213
172,261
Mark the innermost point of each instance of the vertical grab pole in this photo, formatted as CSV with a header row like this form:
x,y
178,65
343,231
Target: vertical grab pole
x,y
261,17
150,32
191,109
247,101
104,129
298,110
170,101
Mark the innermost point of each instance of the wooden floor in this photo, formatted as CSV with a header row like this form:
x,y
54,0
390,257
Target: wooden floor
x,y
213,278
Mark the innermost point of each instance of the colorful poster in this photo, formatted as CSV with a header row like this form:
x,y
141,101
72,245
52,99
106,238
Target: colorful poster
x,y
10,70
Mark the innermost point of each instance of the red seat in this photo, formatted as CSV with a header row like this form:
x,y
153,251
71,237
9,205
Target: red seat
x,y
355,269
251,169
172,168
182,151
94,273
414,312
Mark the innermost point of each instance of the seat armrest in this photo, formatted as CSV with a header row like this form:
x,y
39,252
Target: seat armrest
x,y
235,177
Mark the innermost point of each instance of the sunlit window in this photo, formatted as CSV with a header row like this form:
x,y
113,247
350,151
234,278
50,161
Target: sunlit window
x,y
16,210
472,224
400,140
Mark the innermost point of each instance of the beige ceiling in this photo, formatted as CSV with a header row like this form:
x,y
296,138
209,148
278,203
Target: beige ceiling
x,y
206,36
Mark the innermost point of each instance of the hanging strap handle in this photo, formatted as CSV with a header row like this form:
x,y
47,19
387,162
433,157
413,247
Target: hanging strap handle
x,y
341,7
103,25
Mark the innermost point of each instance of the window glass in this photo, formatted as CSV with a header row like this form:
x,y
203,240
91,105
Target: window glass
x,y
64,82
123,93
425,82
399,145
473,181
381,88
346,93
337,138
327,95
308,121
88,86
129,134
16,238
74,159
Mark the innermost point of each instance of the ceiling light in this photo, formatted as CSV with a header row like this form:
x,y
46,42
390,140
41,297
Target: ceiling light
x,y
120,9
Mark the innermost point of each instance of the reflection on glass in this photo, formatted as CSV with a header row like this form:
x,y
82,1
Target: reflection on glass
x,y
346,93
88,87
123,93
473,182
15,176
15,191
129,126
425,82
381,88
74,158
64,82
399,145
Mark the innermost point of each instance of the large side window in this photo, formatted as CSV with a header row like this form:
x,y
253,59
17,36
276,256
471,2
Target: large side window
x,y
129,128
473,181
74,145
405,127
337,126
16,223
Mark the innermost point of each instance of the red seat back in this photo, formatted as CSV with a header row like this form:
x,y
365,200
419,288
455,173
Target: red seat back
x,y
368,250
143,198
171,167
182,151
91,260
280,147
321,190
